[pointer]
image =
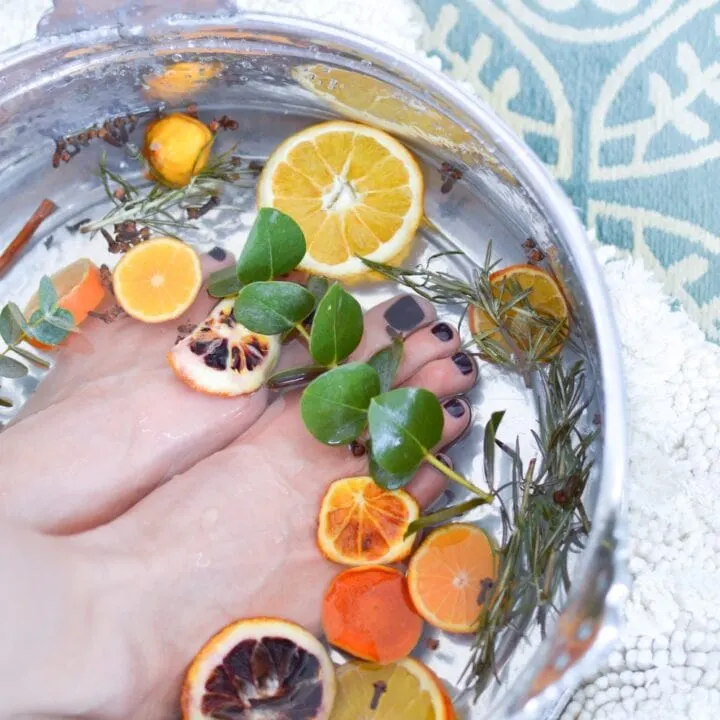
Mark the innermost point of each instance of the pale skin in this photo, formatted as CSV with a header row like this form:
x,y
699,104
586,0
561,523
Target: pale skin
x,y
121,579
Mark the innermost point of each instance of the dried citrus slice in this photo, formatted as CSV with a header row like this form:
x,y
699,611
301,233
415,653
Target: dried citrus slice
x,y
354,191
80,289
180,80
546,298
404,689
367,612
177,147
222,357
451,575
362,524
157,280
258,669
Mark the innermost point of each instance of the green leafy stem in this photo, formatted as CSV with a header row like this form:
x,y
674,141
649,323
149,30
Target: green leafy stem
x,y
49,324
344,401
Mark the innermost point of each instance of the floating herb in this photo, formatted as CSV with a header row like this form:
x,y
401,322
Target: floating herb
x,y
386,362
224,283
337,327
442,516
272,308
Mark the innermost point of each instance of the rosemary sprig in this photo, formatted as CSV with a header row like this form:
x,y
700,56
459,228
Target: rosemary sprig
x,y
157,208
518,336
545,523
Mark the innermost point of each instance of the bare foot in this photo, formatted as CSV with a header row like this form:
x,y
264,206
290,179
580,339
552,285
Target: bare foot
x,y
110,423
235,535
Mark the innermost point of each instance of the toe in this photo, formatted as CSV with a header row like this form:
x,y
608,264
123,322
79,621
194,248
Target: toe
x,y
425,346
429,484
457,416
453,375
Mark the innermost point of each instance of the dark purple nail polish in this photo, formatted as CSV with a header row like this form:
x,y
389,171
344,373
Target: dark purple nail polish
x,y
455,407
463,363
404,314
217,253
443,332
445,460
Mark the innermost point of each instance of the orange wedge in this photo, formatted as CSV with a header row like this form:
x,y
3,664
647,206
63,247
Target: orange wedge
x,y
362,524
451,575
257,669
546,298
157,280
404,689
355,191
80,289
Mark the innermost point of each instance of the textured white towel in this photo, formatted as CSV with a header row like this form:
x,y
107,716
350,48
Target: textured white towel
x,y
668,663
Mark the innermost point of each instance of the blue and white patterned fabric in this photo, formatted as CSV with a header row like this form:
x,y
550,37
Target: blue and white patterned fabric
x,y
621,99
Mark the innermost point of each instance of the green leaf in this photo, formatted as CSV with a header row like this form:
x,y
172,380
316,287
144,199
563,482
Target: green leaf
x,y
334,407
318,286
489,447
44,331
12,323
386,362
10,368
224,283
274,247
271,308
4,402
47,295
405,425
30,357
295,378
337,327
63,320
388,480
442,516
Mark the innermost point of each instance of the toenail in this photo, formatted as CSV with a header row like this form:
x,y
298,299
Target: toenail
x,y
217,253
443,332
445,460
464,363
404,314
455,407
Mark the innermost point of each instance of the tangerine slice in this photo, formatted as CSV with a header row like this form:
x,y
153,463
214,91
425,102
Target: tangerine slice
x,y
362,524
80,289
257,669
367,612
450,576
354,190
157,280
545,298
405,689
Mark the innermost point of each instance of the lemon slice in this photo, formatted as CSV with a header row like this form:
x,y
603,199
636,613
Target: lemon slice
x,y
355,191
405,689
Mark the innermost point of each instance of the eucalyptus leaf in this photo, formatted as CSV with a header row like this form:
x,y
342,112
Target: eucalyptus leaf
x,y
47,295
272,308
334,407
405,424
63,320
386,362
388,480
275,246
30,357
318,286
11,324
4,402
489,447
44,331
10,368
295,378
224,283
337,327
442,516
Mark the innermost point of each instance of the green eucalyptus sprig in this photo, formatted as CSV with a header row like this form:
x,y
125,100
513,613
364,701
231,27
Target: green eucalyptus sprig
x,y
49,324
344,400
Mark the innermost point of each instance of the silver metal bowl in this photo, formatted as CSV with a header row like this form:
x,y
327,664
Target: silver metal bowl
x,y
277,75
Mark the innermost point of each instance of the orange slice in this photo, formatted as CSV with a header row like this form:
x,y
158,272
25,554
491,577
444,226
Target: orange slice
x,y
257,669
367,612
181,80
404,689
80,289
362,524
177,147
450,576
546,298
354,191
157,280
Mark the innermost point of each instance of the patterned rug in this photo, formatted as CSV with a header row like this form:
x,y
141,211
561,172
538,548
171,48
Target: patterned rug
x,y
621,99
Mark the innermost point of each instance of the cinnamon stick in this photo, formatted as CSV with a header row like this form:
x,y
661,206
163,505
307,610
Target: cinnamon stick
x,y
44,211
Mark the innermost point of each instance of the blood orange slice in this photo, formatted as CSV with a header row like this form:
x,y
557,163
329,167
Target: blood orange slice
x,y
258,669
